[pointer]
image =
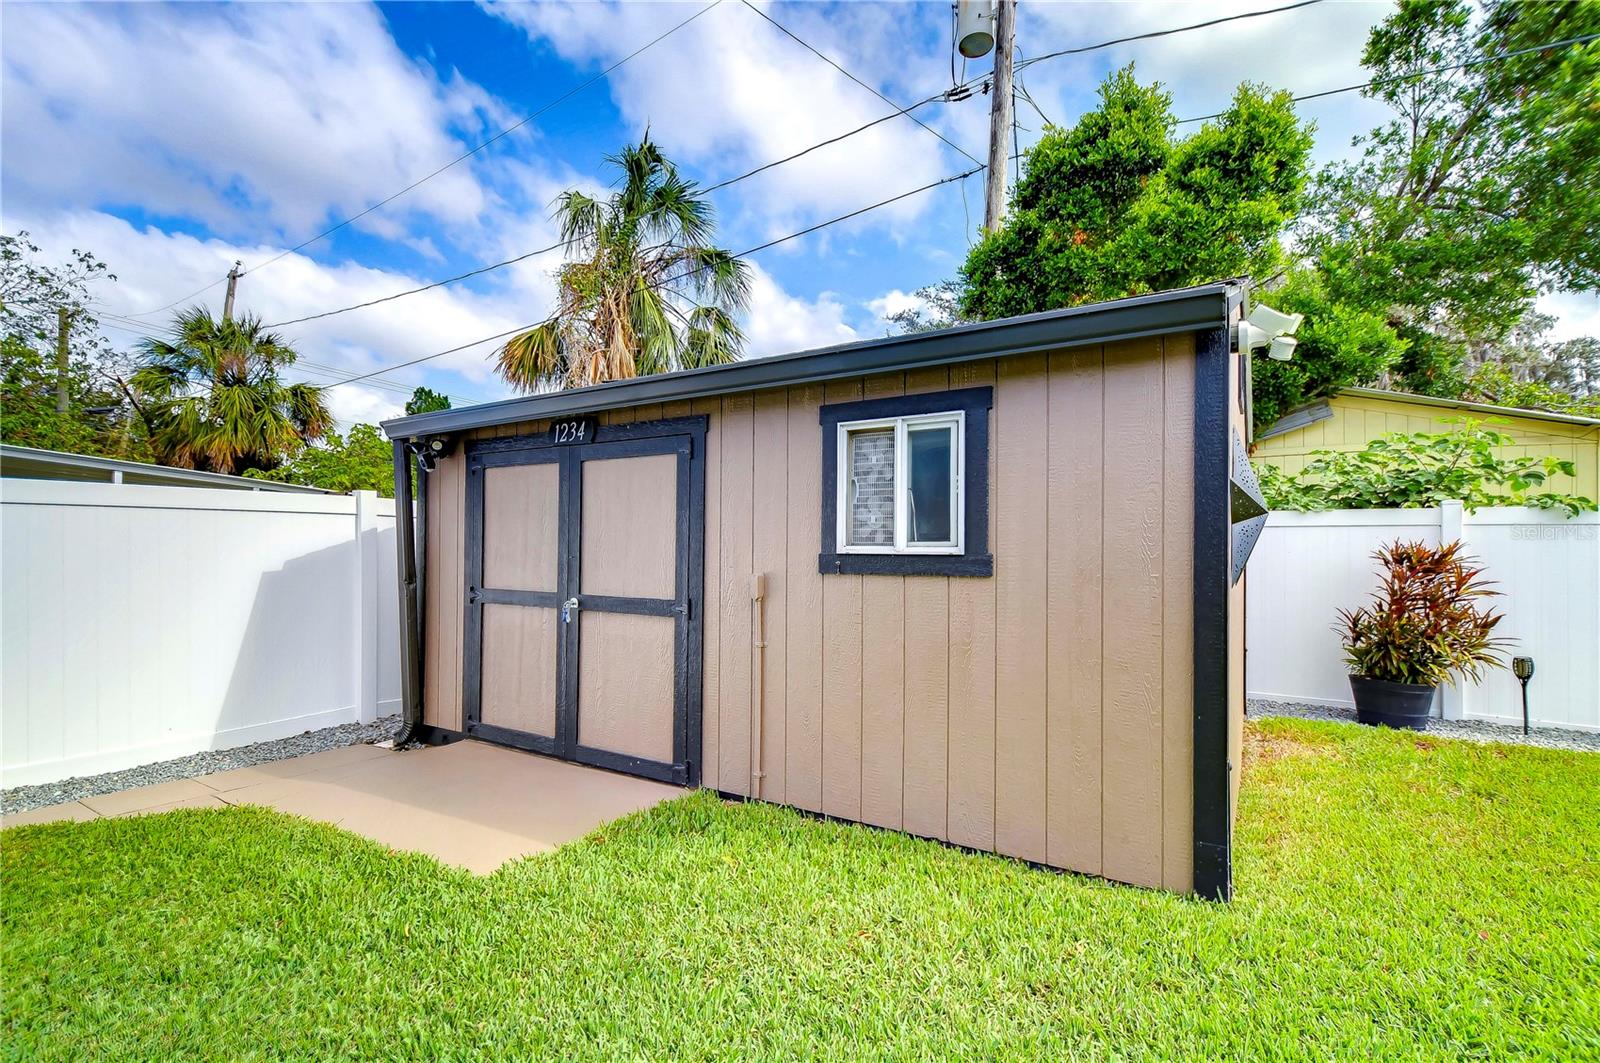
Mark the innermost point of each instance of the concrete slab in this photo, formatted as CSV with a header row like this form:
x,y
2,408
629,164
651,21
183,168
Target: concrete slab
x,y
225,781
147,797
470,804
74,810
201,801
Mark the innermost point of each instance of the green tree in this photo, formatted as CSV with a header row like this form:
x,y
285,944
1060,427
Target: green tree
x,y
1478,193
646,293
1339,345
33,298
426,400
212,398
1528,369
1117,205
361,461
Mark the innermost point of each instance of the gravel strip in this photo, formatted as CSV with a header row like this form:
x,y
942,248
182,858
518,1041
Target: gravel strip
x,y
1472,730
26,798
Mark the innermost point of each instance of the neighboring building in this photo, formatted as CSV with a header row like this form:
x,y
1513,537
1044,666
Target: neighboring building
x,y
1355,416
27,463
980,584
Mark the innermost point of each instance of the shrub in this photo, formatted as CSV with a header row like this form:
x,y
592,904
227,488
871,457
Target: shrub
x,y
1421,469
1426,621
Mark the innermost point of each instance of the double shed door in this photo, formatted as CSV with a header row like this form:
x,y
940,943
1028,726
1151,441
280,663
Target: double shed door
x,y
584,559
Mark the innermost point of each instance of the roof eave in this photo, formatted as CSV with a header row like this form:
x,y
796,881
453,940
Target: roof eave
x,y
1164,313
1475,407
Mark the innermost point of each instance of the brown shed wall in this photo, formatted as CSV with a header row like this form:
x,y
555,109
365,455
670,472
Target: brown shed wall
x,y
1044,713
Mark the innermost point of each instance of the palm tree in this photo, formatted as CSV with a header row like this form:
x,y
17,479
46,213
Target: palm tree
x,y
645,293
211,397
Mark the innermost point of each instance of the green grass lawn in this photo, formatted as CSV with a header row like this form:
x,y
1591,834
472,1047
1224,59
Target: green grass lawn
x,y
1398,897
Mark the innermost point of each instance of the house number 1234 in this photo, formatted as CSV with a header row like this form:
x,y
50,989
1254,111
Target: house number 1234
x,y
574,430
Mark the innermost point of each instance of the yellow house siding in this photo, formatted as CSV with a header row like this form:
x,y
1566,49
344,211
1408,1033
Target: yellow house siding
x,y
1357,419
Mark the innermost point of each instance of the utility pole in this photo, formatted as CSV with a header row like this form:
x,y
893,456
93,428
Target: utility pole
x,y
994,191
63,326
233,283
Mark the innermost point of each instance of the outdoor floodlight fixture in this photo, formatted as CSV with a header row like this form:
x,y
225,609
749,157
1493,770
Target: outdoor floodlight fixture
x,y
1268,329
1522,668
1273,322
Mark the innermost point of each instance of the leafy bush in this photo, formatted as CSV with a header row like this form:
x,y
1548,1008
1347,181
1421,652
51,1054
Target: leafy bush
x,y
1422,469
1425,622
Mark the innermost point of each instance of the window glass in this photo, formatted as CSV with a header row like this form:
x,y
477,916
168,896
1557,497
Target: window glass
x,y
871,488
930,496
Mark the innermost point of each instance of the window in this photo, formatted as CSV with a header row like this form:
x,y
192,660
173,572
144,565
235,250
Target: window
x,y
905,485
900,488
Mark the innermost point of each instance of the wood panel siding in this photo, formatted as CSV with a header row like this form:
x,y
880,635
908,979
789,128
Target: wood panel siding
x,y
925,785
1075,545
1023,401
445,628
802,597
841,661
883,674
970,804
1044,713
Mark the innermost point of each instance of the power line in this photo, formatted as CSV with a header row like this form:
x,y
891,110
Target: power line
x,y
953,94
183,299
602,75
458,159
670,280
543,250
122,323
826,59
1375,82
426,287
1164,33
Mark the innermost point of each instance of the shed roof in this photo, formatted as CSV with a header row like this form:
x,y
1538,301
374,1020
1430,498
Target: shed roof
x,y
1475,407
1182,310
30,463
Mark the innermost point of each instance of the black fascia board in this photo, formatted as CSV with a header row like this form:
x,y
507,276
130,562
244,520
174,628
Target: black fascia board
x,y
1163,313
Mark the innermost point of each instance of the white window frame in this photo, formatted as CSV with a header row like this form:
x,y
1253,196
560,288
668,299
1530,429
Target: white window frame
x,y
956,419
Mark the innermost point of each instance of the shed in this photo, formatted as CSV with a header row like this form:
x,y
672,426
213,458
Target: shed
x,y
1355,416
980,584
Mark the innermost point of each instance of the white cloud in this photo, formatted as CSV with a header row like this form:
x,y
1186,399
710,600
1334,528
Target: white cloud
x,y
729,92
895,302
780,323
1304,50
1576,313
252,118
334,347
396,331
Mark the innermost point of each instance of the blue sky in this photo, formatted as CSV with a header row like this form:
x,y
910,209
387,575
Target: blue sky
x,y
171,140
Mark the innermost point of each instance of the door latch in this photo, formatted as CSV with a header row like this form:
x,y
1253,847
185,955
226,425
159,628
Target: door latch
x,y
569,607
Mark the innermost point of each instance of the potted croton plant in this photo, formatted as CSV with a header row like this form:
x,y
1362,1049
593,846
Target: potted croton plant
x,y
1427,622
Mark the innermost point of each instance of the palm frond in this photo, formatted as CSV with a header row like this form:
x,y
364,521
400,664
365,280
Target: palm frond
x,y
534,357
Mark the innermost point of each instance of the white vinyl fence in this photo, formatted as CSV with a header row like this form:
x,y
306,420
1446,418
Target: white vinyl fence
x,y
1307,565
141,623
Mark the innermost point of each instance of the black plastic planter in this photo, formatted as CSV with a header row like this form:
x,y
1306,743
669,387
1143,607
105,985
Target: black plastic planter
x,y
1385,704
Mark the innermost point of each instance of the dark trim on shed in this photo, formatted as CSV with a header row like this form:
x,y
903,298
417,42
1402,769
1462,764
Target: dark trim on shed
x,y
975,559
410,619
1213,821
684,437
1160,314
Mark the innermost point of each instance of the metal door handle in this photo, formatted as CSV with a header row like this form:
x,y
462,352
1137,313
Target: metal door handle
x,y
569,607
